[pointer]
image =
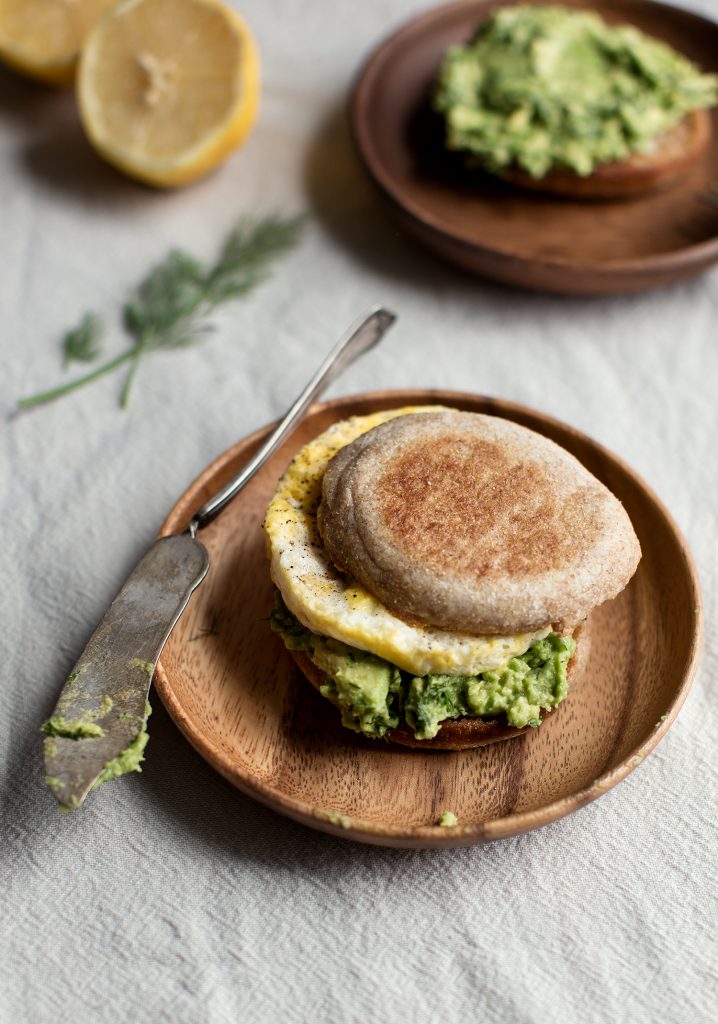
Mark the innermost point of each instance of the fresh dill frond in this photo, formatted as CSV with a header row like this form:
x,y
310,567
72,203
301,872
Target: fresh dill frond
x,y
171,307
163,310
82,343
248,254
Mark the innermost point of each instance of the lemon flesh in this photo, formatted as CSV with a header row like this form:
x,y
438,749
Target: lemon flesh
x,y
42,38
168,88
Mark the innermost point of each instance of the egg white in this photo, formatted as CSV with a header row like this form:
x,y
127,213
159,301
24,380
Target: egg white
x,y
330,604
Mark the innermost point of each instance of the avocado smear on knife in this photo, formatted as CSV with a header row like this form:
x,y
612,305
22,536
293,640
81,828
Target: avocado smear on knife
x,y
129,760
541,88
375,696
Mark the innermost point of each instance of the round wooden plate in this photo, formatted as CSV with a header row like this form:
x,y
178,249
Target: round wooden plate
x,y
518,237
235,693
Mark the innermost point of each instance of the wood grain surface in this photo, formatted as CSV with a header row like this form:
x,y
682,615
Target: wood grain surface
x,y
513,235
238,697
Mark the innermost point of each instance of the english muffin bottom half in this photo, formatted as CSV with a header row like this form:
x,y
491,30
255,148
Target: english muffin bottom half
x,y
431,569
673,155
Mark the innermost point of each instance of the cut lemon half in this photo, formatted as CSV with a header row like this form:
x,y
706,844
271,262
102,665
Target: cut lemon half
x,y
43,38
168,88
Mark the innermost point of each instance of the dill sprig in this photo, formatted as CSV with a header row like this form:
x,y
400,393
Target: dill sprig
x,y
171,308
82,343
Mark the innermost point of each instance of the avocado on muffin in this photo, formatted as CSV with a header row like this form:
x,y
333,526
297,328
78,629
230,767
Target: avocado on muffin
x,y
555,99
433,568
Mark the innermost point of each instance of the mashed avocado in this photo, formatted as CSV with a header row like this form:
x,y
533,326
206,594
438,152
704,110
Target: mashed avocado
x,y
368,689
548,87
129,760
448,819
77,729
375,696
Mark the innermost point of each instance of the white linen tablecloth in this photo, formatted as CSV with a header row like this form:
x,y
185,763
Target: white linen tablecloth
x,y
171,896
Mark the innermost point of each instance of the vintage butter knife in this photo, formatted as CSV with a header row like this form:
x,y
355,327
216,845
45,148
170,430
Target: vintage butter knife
x,y
97,730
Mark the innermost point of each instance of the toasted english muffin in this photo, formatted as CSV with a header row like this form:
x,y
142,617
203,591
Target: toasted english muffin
x,y
474,523
675,153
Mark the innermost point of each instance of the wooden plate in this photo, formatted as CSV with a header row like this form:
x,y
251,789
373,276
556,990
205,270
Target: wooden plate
x,y
518,237
236,695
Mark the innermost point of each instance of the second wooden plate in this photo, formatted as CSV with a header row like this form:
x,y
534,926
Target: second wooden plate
x,y
522,238
236,695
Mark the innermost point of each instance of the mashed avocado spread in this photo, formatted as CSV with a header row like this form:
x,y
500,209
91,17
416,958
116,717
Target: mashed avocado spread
x,y
375,696
541,88
77,729
130,760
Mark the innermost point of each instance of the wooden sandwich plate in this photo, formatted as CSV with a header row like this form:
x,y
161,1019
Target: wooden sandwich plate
x,y
520,237
237,696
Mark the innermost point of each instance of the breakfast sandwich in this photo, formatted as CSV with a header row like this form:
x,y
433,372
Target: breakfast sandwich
x,y
555,99
433,568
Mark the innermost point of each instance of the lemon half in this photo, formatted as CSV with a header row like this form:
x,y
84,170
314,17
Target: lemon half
x,y
168,88
43,38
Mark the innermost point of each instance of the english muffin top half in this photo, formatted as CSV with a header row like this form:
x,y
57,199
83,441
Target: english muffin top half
x,y
474,523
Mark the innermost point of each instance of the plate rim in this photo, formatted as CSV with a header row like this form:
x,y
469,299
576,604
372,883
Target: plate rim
x,y
432,836
688,256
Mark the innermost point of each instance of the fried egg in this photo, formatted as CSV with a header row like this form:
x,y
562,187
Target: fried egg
x,y
330,604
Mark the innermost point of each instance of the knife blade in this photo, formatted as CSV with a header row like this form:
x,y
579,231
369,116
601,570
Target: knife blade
x,y
97,730
102,709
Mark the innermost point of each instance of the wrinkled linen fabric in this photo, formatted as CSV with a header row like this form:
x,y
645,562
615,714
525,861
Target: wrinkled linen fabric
x,y
171,896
